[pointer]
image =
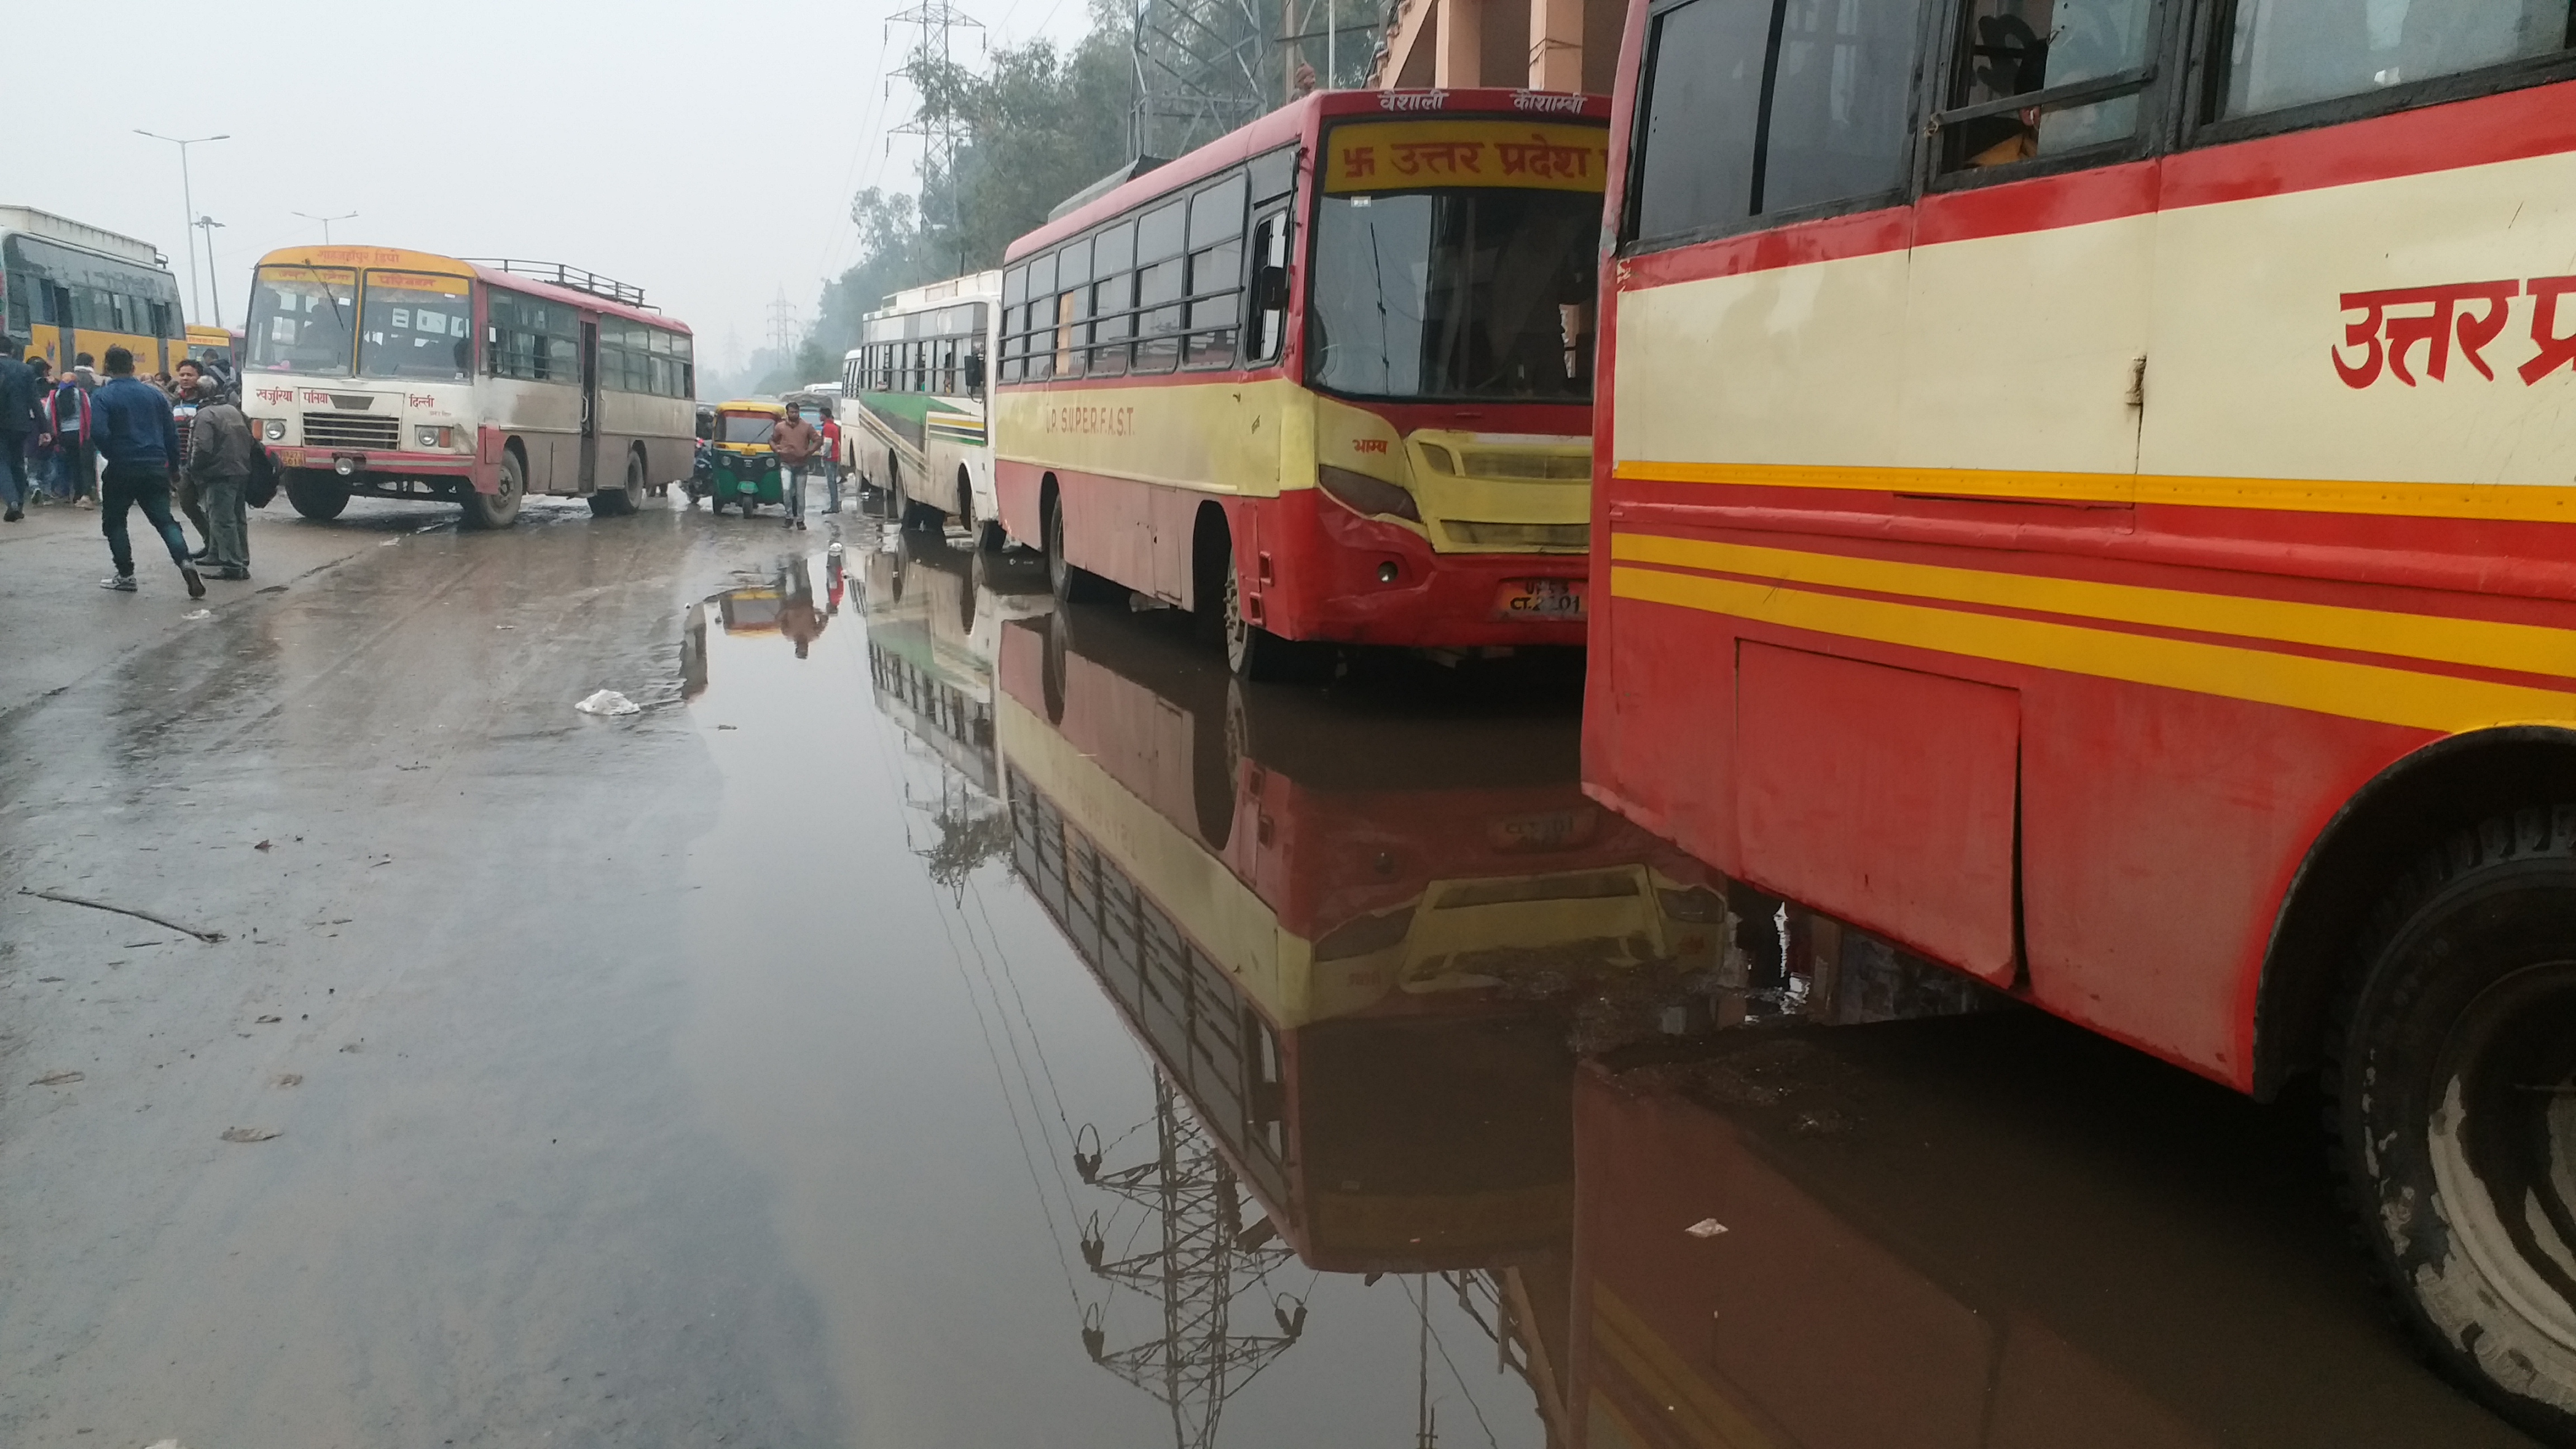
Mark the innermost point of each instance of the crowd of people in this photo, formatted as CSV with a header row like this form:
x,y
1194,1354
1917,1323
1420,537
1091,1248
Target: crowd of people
x,y
119,442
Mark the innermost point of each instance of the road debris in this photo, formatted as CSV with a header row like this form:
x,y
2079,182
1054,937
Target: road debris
x,y
209,937
57,1079
249,1134
198,614
1705,1228
268,1021
290,1079
265,845
608,701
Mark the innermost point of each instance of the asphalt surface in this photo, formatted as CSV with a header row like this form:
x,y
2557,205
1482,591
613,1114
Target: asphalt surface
x,y
737,1072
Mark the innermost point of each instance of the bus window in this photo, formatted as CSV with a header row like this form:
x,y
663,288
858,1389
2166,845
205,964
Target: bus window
x,y
416,325
2017,47
1269,287
1839,103
1158,295
1451,294
2289,52
303,319
1158,235
1112,301
1216,281
1703,90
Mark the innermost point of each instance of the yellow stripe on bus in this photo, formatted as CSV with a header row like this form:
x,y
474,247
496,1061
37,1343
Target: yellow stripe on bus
x,y
2442,703
1703,1416
2484,643
2507,502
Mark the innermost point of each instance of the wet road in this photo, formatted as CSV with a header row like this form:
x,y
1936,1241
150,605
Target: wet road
x,y
931,1021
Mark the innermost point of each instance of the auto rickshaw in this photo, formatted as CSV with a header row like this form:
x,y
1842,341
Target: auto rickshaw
x,y
741,469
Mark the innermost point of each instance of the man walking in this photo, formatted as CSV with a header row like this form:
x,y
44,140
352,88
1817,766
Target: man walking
x,y
220,456
795,442
18,419
131,425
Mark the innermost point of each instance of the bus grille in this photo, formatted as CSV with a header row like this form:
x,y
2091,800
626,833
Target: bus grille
x,y
1466,534
341,430
1569,467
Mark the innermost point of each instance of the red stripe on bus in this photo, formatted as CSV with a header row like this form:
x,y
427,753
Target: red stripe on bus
x,y
2076,199
2514,126
1861,234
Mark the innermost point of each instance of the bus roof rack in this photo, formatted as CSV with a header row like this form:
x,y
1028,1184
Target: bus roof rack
x,y
576,278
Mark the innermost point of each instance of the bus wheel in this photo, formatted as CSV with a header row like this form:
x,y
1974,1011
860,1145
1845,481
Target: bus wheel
x,y
499,508
1071,583
1252,652
317,496
2453,1100
625,499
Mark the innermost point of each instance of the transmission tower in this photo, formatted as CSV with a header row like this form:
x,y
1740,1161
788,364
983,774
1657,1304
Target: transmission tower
x,y
1202,68
933,119
785,331
1195,1263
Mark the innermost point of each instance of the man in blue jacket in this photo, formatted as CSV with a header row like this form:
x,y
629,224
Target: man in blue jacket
x,y
135,433
17,420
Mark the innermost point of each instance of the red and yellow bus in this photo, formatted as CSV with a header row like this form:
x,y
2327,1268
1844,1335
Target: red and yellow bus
x,y
1326,378
2084,493
1331,928
387,373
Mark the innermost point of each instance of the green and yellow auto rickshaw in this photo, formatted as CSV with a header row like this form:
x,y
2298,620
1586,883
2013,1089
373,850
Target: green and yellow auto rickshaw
x,y
741,468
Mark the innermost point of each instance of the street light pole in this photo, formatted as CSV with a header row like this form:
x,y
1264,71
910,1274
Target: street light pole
x,y
214,274
326,222
187,196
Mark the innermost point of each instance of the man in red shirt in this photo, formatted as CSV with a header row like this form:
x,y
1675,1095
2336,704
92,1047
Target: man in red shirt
x,y
831,463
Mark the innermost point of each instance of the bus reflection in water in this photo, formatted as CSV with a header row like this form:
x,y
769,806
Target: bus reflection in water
x,y
934,615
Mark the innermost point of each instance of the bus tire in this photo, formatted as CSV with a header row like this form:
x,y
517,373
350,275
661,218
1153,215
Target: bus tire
x,y
625,499
1070,582
318,496
2451,1093
499,508
1252,652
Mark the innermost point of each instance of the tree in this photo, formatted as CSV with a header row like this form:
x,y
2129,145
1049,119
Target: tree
x,y
1040,124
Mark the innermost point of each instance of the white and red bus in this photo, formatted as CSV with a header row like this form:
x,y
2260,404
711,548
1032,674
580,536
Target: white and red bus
x,y
378,372
2084,492
1326,378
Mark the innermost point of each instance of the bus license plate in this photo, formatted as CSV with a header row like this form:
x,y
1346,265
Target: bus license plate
x,y
1540,600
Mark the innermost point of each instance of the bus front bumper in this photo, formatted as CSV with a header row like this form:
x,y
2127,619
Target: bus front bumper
x,y
1357,580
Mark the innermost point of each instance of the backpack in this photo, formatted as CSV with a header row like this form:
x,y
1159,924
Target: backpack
x,y
76,408
261,490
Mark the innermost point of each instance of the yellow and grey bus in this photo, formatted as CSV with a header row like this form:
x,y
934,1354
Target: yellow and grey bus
x,y
73,288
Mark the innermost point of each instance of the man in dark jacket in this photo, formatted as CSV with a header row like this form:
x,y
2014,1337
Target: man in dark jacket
x,y
17,420
131,425
220,453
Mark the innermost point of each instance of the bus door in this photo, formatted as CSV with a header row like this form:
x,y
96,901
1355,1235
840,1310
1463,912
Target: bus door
x,y
66,336
589,405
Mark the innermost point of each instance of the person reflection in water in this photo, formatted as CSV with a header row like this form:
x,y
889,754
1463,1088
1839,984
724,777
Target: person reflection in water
x,y
833,579
798,619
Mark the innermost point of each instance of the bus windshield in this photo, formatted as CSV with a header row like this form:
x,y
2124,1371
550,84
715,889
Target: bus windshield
x,y
745,428
303,319
417,325
1469,293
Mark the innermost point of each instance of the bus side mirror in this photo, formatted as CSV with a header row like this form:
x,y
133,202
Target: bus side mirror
x,y
975,374
1270,289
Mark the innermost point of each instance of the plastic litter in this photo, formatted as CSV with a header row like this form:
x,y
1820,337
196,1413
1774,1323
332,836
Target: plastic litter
x,y
1705,1228
609,701
198,614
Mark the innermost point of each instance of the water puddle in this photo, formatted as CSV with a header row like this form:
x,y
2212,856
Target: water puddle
x,y
1133,1056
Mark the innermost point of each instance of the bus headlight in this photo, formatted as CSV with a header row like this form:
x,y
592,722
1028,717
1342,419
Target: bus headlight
x,y
274,430
1366,495
436,437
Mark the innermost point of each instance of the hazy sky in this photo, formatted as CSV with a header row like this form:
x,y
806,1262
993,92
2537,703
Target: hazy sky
x,y
705,152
